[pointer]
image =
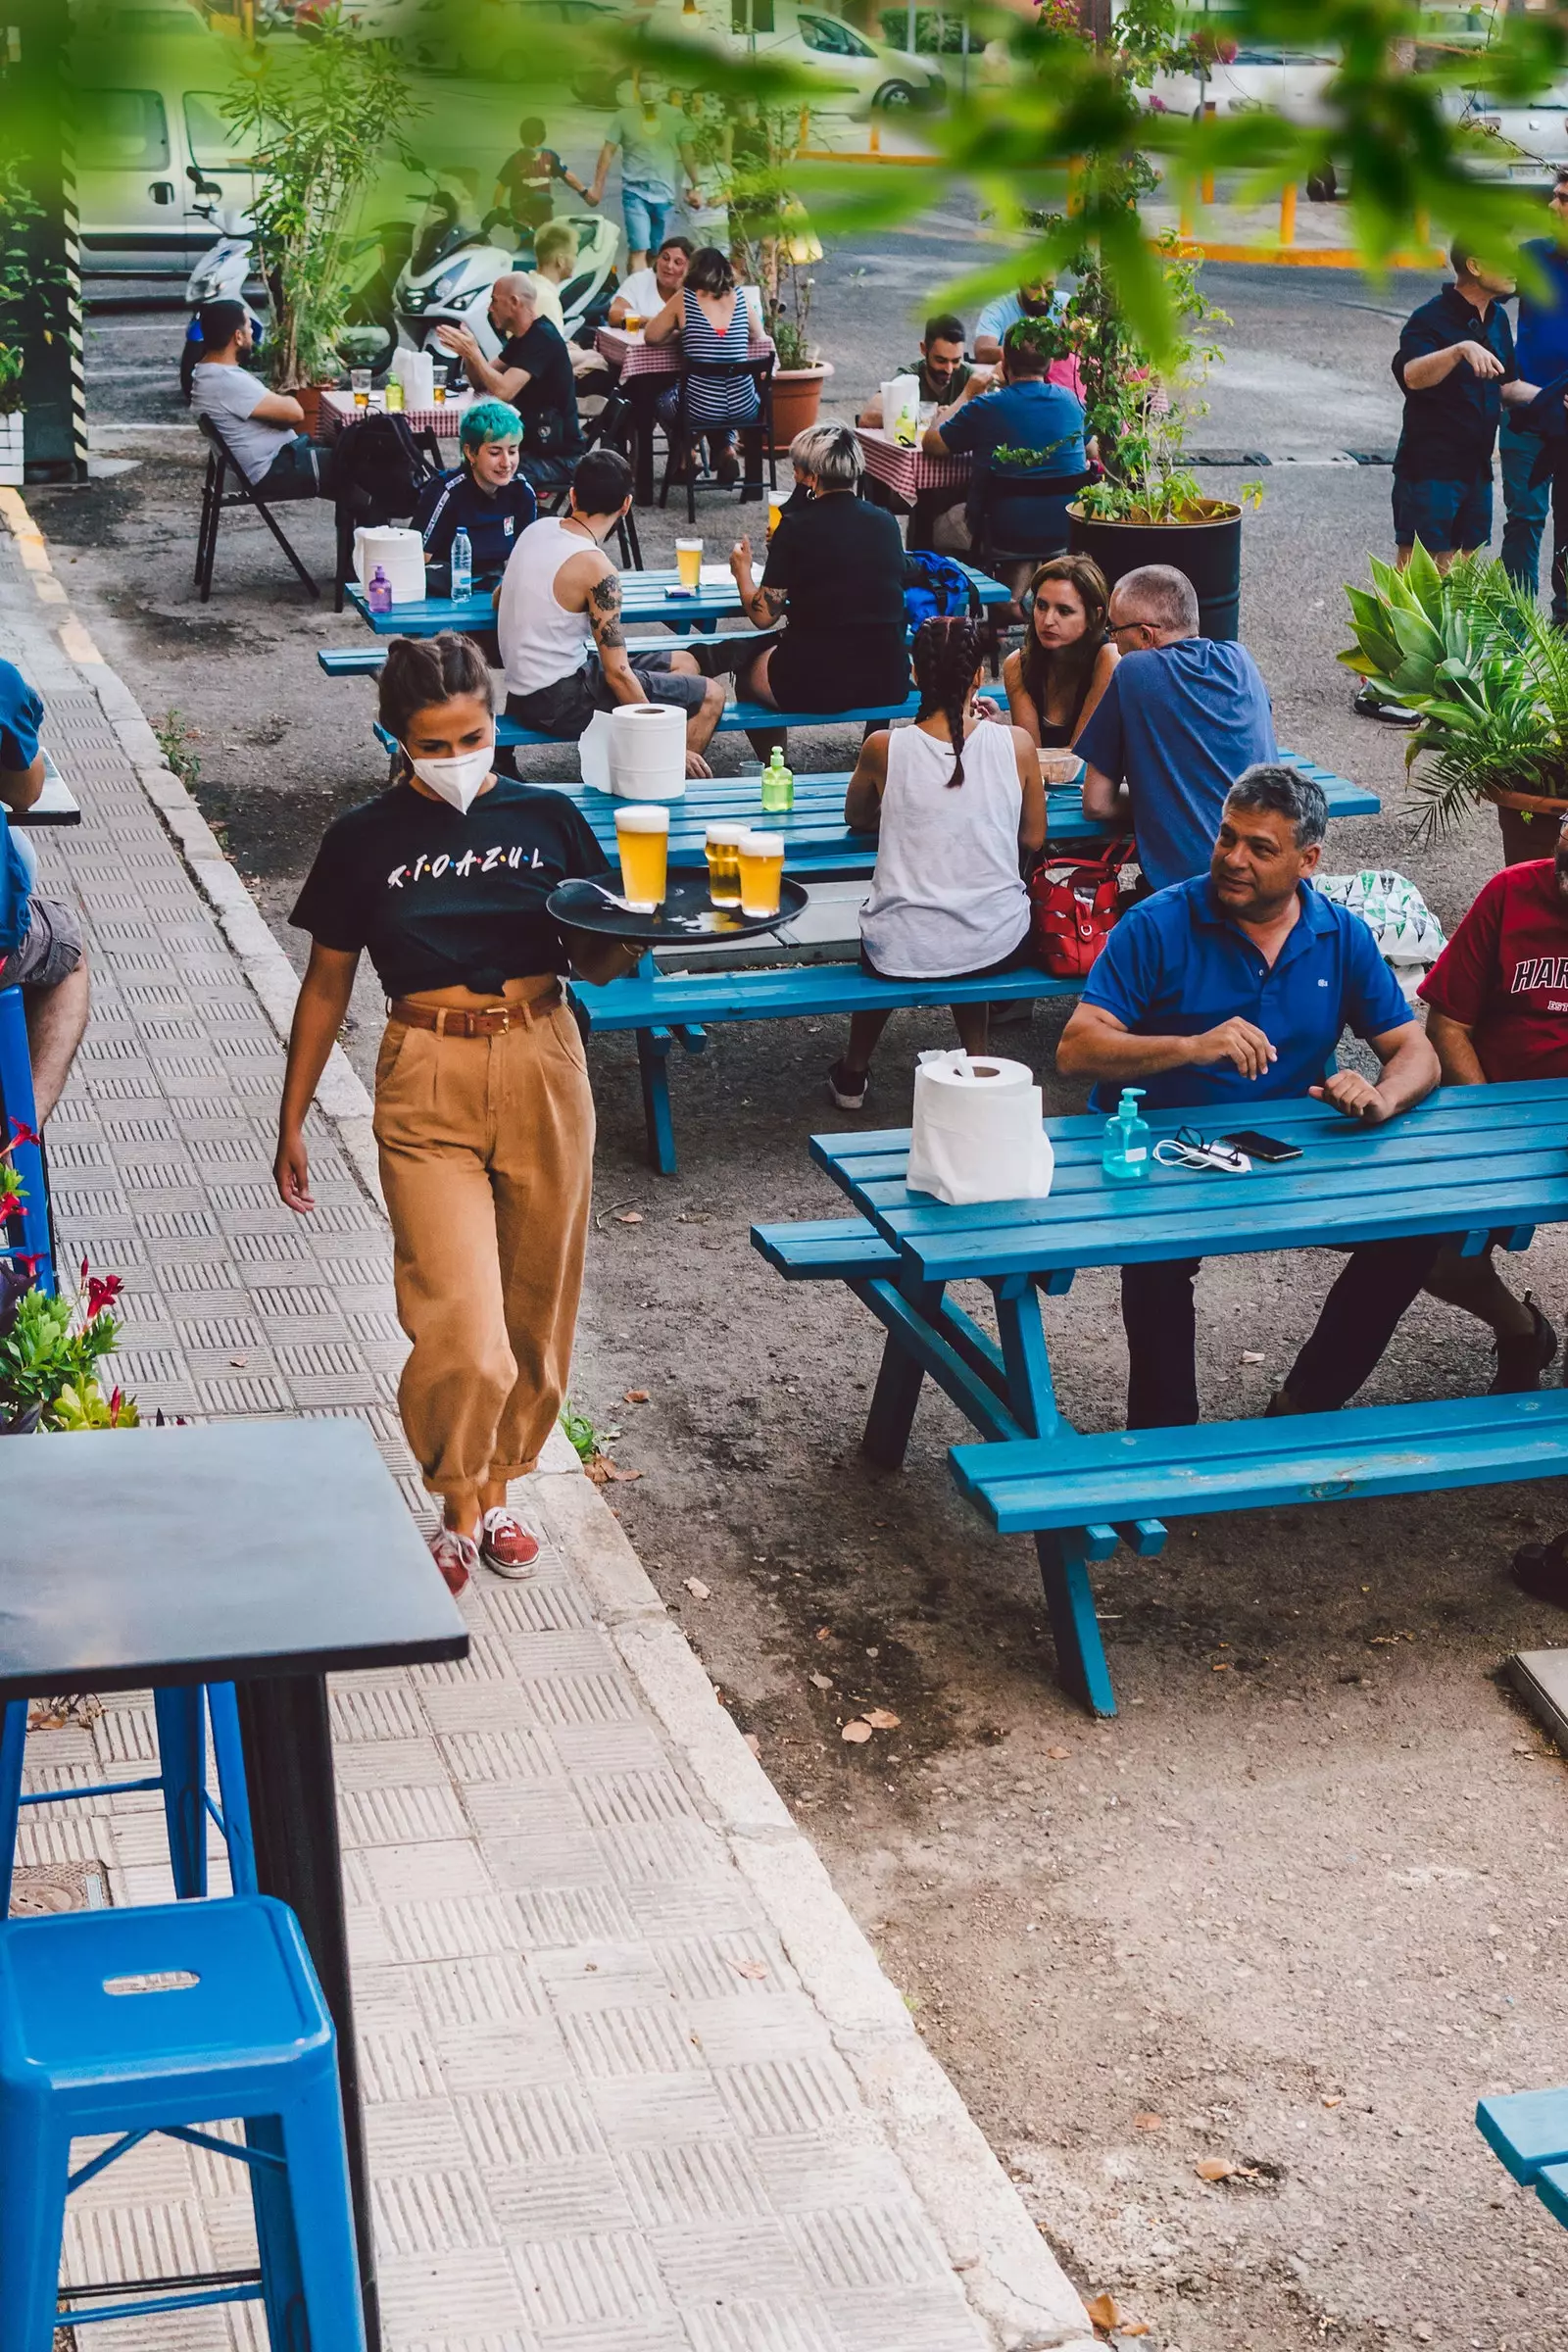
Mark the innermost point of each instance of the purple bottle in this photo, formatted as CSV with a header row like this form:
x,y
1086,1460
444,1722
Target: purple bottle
x,y
378,596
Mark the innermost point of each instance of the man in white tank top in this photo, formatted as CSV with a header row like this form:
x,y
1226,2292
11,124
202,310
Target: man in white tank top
x,y
560,578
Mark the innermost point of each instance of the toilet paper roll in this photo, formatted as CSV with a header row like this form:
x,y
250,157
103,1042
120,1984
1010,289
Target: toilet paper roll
x,y
977,1133
648,752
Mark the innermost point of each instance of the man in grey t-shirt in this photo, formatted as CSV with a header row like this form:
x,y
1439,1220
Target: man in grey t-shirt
x,y
260,427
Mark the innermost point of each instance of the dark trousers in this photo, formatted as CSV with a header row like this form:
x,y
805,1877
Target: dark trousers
x,y
1359,1316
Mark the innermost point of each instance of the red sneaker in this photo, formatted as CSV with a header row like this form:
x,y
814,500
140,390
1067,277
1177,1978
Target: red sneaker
x,y
457,1556
505,1544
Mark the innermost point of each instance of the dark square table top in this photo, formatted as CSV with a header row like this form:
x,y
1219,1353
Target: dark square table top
x,y
219,1553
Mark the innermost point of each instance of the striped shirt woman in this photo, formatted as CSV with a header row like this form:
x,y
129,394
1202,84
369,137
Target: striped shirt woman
x,y
713,323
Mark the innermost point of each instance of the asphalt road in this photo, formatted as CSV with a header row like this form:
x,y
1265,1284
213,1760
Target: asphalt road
x,y
1307,1897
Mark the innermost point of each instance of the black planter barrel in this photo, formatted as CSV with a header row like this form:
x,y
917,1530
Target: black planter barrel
x,y
1209,553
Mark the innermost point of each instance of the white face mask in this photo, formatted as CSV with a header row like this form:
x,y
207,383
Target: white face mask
x,y
458,781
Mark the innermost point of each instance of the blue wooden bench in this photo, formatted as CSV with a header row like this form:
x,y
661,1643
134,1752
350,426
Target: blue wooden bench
x,y
368,661
1529,2130
665,1006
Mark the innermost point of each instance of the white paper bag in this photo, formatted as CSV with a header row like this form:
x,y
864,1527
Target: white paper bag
x,y
648,752
977,1131
900,409
398,552
593,751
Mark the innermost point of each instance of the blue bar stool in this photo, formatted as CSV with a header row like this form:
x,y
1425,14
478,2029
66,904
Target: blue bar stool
x,y
31,1236
182,1717
156,2020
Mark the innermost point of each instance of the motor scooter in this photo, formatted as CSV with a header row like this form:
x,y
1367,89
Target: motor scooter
x,y
457,258
221,276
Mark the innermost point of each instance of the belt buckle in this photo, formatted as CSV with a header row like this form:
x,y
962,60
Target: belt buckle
x,y
506,1021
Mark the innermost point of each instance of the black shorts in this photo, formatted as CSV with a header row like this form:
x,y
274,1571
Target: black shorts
x,y
1020,959
565,709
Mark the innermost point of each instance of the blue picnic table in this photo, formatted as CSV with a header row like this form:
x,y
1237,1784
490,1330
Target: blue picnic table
x,y
1482,1165
645,597
820,846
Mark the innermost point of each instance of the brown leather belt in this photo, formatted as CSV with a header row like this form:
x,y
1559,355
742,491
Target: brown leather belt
x,y
459,1020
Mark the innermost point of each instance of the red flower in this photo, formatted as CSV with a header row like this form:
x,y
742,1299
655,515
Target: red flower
x,y
10,1205
21,1133
82,1271
102,1291
116,1398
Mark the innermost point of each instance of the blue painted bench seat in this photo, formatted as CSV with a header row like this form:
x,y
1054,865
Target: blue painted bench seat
x,y
367,660
662,1007
1529,2130
825,1250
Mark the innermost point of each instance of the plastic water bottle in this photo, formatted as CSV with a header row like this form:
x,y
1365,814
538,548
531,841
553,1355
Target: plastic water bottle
x,y
461,567
778,784
378,596
1125,1158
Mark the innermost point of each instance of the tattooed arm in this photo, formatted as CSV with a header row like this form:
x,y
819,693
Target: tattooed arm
x,y
604,619
764,606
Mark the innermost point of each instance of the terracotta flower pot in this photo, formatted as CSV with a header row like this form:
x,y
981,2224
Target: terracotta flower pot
x,y
309,397
1527,822
797,396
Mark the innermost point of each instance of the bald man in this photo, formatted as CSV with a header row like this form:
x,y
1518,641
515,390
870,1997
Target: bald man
x,y
533,372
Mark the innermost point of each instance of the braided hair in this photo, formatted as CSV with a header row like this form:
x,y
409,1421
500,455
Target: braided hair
x,y
947,652
419,671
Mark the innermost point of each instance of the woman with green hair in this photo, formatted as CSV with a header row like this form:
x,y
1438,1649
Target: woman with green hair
x,y
485,496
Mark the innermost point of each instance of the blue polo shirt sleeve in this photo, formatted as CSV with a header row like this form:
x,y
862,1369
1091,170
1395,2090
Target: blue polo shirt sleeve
x,y
1101,744
1373,1000
1125,976
20,718
968,428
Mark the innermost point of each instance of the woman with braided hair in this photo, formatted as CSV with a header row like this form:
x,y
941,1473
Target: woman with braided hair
x,y
958,804
484,1121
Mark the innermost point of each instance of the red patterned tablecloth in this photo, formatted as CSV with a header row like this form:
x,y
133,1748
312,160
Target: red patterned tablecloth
x,y
633,357
905,471
338,409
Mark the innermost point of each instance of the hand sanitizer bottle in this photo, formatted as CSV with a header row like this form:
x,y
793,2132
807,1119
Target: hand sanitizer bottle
x,y
461,567
778,784
379,595
1125,1158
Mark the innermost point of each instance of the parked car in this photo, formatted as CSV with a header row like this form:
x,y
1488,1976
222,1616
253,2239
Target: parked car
x,y
1244,77
1528,144
871,73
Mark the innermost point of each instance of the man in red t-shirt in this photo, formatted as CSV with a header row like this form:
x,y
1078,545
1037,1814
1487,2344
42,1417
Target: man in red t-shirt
x,y
1498,1011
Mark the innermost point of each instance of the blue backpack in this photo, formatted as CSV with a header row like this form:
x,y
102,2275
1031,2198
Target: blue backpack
x,y
934,586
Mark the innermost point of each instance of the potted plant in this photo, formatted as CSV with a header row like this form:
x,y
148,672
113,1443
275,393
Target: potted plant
x,y
318,116
774,244
1487,673
23,290
1149,507
51,1349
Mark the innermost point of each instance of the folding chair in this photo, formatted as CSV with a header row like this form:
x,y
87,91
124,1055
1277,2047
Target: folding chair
x,y
609,429
683,431
221,461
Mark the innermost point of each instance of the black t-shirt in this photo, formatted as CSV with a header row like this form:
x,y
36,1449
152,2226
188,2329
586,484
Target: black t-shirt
x,y
446,901
551,389
840,562
527,171
1450,428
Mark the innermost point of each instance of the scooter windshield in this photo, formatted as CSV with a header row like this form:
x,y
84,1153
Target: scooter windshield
x,y
450,219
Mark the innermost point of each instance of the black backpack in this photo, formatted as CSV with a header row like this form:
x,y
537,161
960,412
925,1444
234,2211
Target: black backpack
x,y
378,469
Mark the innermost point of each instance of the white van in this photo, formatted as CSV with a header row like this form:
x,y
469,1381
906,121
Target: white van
x,y
151,135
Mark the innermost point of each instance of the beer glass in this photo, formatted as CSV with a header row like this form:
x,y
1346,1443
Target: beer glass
x,y
438,384
761,862
722,849
359,382
642,836
689,564
774,512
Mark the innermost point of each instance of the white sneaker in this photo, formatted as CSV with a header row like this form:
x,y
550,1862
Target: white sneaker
x,y
506,1544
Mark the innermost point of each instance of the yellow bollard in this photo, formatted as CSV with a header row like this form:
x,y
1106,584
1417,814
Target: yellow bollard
x,y
1209,112
876,136
1184,226
1287,215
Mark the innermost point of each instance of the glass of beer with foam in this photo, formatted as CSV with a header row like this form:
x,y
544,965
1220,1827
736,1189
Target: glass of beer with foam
x,y
689,564
761,861
722,849
642,836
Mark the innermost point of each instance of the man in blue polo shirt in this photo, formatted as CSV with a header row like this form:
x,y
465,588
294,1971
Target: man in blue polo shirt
x,y
1180,718
1228,992
1542,354
40,938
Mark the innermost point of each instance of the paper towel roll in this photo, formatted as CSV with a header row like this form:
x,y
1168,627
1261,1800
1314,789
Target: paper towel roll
x,y
977,1131
400,554
593,751
648,752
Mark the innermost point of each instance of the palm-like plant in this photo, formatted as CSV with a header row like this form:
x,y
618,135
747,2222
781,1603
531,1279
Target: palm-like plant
x,y
1472,655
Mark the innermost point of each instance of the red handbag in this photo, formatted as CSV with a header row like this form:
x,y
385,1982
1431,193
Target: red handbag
x,y
1073,908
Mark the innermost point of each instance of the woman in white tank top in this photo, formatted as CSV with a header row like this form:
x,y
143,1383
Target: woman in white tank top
x,y
948,899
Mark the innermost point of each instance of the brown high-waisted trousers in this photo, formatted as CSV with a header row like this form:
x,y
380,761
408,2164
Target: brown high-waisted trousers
x,y
486,1149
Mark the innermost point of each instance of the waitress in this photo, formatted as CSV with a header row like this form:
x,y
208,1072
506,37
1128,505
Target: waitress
x,y
484,1118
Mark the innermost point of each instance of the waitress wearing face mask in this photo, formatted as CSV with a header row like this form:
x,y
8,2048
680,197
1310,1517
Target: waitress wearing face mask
x,y
483,1115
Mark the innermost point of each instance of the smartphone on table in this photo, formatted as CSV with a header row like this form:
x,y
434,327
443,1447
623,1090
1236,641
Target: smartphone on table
x,y
1262,1147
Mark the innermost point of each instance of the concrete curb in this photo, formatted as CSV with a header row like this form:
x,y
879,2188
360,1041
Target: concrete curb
x,y
1010,2276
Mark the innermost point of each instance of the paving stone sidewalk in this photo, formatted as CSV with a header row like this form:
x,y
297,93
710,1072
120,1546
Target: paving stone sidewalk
x,y
635,2082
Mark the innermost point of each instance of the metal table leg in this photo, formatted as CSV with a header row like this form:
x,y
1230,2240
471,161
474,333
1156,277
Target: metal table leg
x,y
286,1731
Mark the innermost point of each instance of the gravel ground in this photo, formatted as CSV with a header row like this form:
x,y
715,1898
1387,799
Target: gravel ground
x,y
1305,1898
